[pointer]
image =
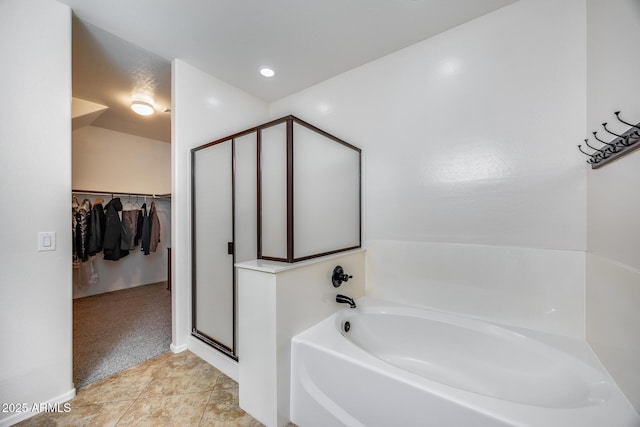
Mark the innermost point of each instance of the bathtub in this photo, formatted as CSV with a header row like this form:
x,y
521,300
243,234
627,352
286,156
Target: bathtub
x,y
383,364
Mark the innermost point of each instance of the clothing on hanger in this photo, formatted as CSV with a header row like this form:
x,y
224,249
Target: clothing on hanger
x,y
113,234
146,231
83,220
130,223
154,225
96,227
141,213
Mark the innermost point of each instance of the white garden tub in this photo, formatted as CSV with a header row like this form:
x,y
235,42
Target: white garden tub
x,y
388,365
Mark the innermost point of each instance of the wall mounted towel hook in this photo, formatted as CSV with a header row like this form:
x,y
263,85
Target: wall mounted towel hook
x,y
624,139
591,156
604,153
617,113
613,147
623,144
582,151
604,125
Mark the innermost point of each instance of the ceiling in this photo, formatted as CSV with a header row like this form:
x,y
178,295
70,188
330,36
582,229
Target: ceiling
x,y
110,72
124,46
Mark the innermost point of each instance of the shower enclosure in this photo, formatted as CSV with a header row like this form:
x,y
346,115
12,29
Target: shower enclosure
x,y
282,191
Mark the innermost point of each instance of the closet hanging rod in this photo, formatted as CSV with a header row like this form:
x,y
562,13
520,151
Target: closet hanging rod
x,y
121,194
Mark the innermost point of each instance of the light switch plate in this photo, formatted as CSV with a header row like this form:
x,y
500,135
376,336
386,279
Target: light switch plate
x,y
46,241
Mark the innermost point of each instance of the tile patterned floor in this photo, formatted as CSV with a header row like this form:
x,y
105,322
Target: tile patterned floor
x,y
168,390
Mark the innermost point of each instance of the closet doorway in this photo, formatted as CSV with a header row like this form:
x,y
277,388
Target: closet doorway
x,y
121,204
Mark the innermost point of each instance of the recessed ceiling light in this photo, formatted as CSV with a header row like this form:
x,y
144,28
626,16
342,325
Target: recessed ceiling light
x,y
267,71
143,108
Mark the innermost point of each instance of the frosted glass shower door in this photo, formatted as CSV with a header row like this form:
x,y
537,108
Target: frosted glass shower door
x,y
213,281
309,192
326,194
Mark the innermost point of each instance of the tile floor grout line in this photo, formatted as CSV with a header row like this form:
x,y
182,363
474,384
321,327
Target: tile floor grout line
x,y
204,410
144,388
124,413
173,394
117,400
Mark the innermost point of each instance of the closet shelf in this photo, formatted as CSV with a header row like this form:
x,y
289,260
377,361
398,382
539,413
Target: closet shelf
x,y
121,194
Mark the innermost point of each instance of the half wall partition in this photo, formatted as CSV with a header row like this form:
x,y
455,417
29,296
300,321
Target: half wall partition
x,y
282,191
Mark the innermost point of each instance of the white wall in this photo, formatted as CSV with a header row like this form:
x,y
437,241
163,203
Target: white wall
x,y
204,109
106,160
469,137
532,288
613,261
35,182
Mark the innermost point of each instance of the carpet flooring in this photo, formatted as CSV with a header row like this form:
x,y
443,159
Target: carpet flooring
x,y
117,330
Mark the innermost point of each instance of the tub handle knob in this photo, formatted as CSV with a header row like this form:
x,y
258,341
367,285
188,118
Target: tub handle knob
x,y
339,276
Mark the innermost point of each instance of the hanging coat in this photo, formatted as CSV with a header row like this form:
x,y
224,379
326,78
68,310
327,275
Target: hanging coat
x,y
138,236
74,210
130,222
83,222
146,230
96,233
125,237
154,224
112,243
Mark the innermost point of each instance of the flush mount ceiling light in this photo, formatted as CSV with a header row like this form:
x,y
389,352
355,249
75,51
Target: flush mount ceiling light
x,y
267,71
142,107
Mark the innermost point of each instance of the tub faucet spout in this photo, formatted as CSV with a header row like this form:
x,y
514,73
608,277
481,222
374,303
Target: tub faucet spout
x,y
346,300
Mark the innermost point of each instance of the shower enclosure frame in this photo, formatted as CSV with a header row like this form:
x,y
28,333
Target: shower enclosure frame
x,y
290,257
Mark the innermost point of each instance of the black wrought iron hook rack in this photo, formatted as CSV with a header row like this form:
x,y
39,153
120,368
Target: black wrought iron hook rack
x,y
617,147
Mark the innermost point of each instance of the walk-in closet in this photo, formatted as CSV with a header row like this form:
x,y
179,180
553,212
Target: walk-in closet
x,y
120,204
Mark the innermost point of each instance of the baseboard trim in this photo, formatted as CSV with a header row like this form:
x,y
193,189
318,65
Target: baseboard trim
x,y
178,348
21,416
